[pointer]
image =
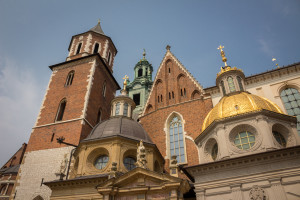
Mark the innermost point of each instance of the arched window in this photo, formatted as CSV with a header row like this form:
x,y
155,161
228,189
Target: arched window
x,y
172,94
125,111
161,99
129,163
291,101
169,70
184,92
177,146
181,92
214,151
99,116
279,138
96,48
61,110
169,95
231,84
118,108
104,88
78,48
69,78
239,79
223,88
109,57
158,98
140,72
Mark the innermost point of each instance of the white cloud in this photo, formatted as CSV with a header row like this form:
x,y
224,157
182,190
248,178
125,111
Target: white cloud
x,y
20,99
265,47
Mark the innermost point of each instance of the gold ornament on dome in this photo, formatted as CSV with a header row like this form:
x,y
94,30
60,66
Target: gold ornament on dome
x,y
125,82
238,104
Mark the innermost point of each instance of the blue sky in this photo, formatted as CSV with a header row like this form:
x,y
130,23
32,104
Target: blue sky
x,y
36,34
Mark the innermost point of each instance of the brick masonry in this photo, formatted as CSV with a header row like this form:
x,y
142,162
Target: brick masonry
x,y
192,105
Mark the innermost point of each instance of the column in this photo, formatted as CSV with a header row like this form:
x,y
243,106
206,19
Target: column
x,y
236,192
277,189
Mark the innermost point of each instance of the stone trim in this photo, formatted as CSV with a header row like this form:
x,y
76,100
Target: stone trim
x,y
66,121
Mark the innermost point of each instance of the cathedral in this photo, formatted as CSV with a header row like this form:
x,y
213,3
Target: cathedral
x,y
163,137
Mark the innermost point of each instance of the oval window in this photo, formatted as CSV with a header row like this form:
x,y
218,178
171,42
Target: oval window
x,y
129,163
101,162
244,140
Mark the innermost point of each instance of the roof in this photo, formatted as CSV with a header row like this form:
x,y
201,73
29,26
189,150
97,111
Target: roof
x,y
97,29
236,104
119,126
10,170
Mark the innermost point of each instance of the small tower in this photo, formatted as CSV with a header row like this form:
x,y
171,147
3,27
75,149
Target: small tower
x,y
140,87
229,79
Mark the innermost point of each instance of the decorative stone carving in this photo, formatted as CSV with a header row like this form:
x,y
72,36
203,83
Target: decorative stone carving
x,y
257,193
141,156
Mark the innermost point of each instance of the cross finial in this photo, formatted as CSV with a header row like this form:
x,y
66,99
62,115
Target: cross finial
x,y
224,59
168,47
98,21
273,60
144,54
125,82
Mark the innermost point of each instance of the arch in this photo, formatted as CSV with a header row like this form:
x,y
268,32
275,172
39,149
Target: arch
x,y
209,150
70,77
149,109
196,94
169,65
176,137
159,81
78,48
180,76
61,110
94,155
38,198
96,47
130,153
286,134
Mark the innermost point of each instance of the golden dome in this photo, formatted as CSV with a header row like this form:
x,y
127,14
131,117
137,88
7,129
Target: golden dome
x,y
237,104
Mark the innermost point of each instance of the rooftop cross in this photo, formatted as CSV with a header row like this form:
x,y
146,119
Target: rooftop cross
x,y
224,59
125,82
98,21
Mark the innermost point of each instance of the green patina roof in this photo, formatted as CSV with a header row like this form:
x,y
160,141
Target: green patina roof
x,y
144,62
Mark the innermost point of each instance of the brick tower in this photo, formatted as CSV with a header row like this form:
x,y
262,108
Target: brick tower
x,y
77,98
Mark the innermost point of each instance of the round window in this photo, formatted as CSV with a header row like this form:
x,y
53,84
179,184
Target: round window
x,y
101,162
129,163
214,151
279,138
244,140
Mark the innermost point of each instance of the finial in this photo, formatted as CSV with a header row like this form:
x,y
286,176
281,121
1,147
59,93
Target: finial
x,y
168,47
99,21
224,59
144,54
273,60
125,82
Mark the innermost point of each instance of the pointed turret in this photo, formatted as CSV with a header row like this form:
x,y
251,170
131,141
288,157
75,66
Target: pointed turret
x,y
97,28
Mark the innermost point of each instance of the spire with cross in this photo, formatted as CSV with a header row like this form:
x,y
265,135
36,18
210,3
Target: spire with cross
x,y
224,59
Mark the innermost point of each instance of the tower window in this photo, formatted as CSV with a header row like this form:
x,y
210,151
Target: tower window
x,y
158,98
169,95
136,99
223,88
181,92
146,71
239,79
161,99
244,140
69,78
78,48
118,108
231,84
140,72
184,92
172,94
96,48
109,57
125,110
177,146
214,151
104,89
129,163
61,110
279,138
169,70
99,116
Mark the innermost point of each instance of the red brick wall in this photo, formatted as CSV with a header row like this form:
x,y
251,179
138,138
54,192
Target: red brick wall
x,y
16,158
75,94
172,78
